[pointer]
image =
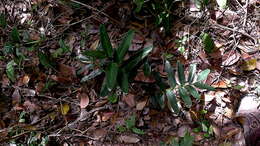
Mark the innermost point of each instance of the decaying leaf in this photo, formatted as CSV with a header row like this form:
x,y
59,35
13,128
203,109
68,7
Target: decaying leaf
x,y
128,139
249,65
64,109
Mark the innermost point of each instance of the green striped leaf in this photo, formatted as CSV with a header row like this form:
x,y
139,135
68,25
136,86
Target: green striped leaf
x,y
203,75
134,60
99,54
105,41
185,97
111,75
124,46
203,86
192,72
10,70
172,101
170,74
181,74
193,92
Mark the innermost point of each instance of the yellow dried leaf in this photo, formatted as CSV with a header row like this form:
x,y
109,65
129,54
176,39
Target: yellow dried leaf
x,y
249,65
65,109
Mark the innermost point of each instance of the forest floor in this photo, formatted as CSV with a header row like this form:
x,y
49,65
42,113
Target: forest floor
x,y
45,97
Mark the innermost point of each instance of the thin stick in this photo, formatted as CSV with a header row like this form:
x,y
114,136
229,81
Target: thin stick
x,y
94,9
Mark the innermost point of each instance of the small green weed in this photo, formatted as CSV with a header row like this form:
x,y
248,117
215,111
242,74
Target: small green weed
x,y
118,71
130,126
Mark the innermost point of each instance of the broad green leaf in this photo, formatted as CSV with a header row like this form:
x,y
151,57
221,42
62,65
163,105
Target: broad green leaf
x,y
57,53
159,81
172,101
181,74
112,98
123,80
187,140
193,92
15,35
65,48
105,41
203,86
199,4
98,54
203,75
208,43
139,4
160,100
121,128
185,97
192,72
137,131
111,75
8,48
222,3
3,23
104,90
174,142
92,75
134,60
10,70
124,46
44,60
204,127
130,123
170,74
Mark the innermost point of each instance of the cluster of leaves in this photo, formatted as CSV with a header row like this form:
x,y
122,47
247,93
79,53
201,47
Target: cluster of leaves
x,y
204,126
160,10
185,87
130,126
18,41
187,140
118,71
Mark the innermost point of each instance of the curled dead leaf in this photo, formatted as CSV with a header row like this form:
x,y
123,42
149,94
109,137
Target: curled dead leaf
x,y
84,100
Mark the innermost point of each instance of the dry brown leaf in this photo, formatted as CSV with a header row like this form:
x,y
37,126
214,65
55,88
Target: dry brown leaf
x,y
128,139
67,71
129,99
31,107
182,130
94,45
141,77
99,133
5,81
101,103
230,58
229,113
16,97
106,116
222,84
84,100
140,105
26,79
